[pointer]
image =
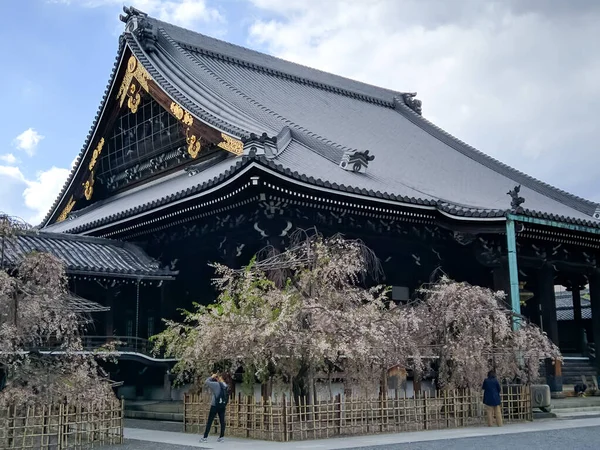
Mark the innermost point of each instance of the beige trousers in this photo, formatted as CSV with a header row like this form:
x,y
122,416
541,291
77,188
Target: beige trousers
x,y
490,412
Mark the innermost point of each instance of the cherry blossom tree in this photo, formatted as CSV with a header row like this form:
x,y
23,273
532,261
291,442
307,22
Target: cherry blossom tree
x,y
467,331
312,312
320,320
41,351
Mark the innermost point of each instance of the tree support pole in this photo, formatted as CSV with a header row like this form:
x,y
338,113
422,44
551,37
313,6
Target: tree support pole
x,y
513,272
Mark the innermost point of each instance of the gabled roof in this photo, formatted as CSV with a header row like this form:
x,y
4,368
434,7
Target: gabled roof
x,y
240,91
87,255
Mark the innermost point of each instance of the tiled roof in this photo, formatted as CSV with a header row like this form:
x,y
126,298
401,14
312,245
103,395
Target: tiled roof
x,y
87,255
567,313
241,91
564,305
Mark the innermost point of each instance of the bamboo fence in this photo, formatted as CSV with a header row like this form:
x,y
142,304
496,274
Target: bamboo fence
x,y
280,420
61,426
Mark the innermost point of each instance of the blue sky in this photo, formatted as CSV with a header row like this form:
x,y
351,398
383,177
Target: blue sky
x,y
518,82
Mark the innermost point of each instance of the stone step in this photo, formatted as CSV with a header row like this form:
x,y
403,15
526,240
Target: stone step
x,y
155,406
154,415
576,402
592,411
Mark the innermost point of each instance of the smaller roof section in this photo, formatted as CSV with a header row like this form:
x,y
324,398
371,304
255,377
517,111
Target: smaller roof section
x,y
79,304
87,255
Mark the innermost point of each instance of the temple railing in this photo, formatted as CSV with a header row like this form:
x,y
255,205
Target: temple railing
x,y
123,343
123,348
591,350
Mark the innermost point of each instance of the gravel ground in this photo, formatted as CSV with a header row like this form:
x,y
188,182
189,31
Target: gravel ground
x,y
579,438
143,445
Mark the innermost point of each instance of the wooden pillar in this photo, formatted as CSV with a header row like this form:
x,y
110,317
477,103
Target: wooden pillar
x,y
501,280
534,309
577,317
595,304
550,323
576,292
109,325
548,302
167,385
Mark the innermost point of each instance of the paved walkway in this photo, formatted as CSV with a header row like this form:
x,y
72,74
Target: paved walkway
x,y
191,440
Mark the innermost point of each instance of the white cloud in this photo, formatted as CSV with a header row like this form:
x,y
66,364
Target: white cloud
x,y
9,158
41,193
518,80
184,13
28,141
29,199
12,173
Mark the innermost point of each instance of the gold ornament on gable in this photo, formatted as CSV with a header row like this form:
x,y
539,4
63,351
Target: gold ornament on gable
x,y
187,119
88,187
134,98
96,153
135,71
193,142
194,145
177,111
231,145
67,209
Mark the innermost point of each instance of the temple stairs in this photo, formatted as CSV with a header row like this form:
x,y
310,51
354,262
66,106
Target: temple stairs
x,y
575,370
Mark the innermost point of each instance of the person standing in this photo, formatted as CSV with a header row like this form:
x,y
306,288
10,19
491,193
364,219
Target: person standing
x,y
491,399
218,404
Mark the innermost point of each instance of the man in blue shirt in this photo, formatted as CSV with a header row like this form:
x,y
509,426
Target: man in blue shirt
x,y
491,399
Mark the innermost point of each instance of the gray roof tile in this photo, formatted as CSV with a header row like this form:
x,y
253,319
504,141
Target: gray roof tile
x,y
564,305
242,91
87,255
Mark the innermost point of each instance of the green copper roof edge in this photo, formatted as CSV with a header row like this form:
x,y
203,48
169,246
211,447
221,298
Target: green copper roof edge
x,y
553,223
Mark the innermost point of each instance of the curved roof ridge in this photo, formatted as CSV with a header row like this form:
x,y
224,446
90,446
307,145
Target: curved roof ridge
x,y
300,130
243,56
579,203
191,82
175,93
90,134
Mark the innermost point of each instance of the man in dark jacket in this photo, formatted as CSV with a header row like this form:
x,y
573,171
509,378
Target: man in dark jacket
x,y
217,405
491,399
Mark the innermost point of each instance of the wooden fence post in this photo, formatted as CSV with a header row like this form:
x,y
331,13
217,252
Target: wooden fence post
x,y
425,424
339,413
123,419
60,429
284,420
185,406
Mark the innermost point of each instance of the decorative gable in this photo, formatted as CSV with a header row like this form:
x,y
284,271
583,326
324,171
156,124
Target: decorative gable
x,y
141,133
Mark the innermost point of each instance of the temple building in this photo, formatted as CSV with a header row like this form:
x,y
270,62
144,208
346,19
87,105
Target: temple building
x,y
205,151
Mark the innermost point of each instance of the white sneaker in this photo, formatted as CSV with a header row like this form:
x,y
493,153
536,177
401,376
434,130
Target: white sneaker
x,y
203,439
221,439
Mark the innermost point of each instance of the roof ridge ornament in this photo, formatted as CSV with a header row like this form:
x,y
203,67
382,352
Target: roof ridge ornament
x,y
138,24
596,214
516,201
255,145
356,160
411,100
131,12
